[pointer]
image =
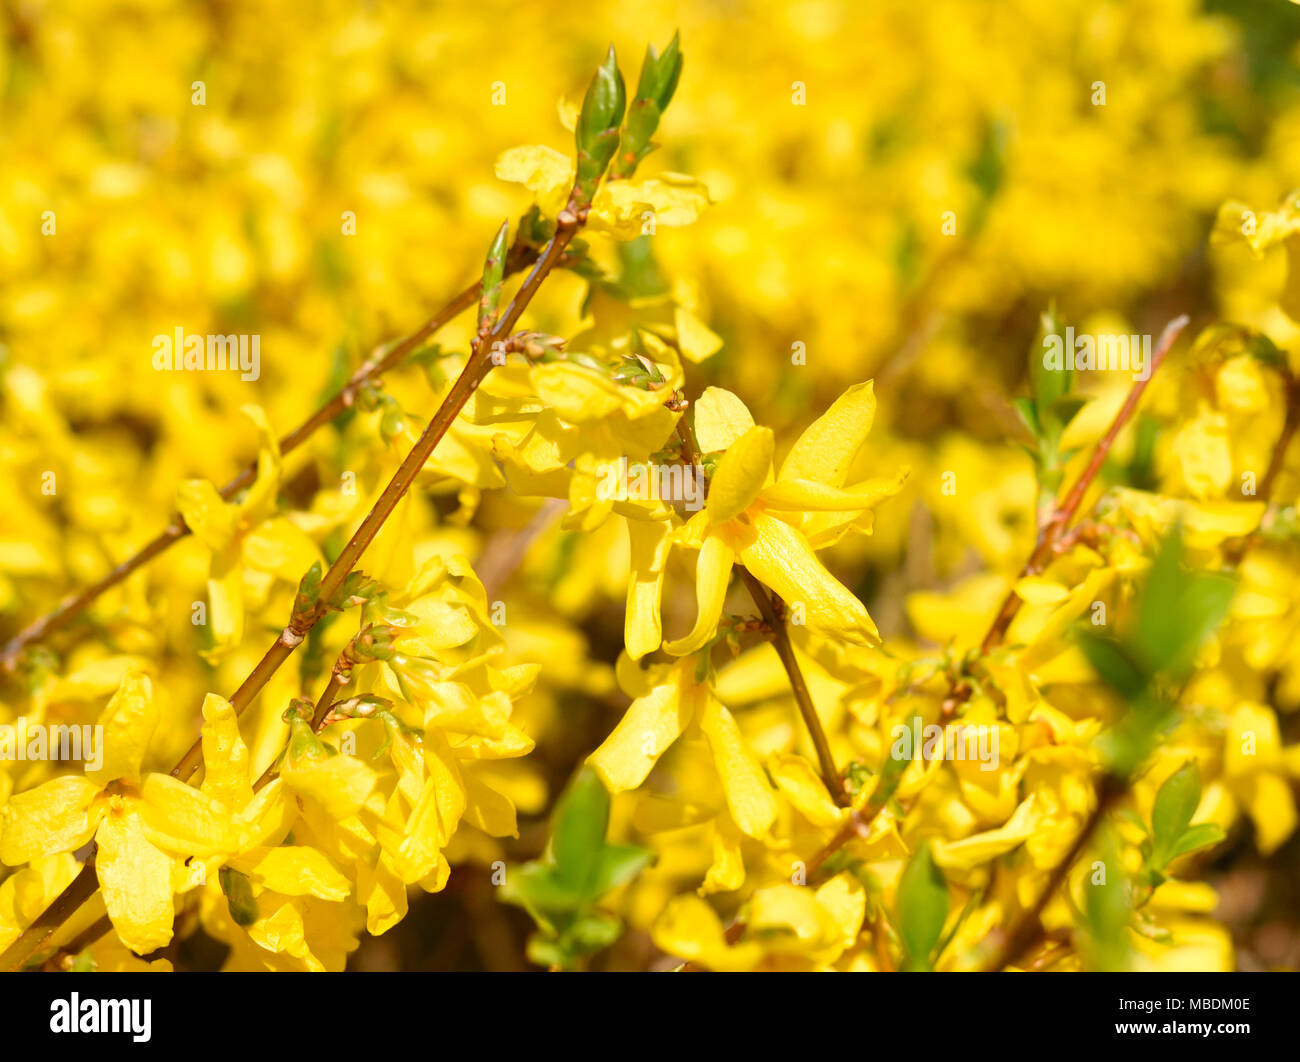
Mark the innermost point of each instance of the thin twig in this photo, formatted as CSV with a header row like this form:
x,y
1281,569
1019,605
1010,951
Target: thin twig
x,y
521,255
1066,511
859,823
476,368
480,363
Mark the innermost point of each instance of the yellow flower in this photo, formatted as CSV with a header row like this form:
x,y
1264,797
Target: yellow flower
x,y
670,702
143,827
771,526
624,209
246,537
1256,769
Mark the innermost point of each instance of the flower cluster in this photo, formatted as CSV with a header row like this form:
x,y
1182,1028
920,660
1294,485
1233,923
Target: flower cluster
x,y
569,602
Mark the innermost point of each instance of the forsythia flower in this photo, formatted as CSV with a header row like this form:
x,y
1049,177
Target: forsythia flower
x,y
771,526
143,827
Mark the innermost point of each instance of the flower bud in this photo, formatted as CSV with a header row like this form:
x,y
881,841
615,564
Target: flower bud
x,y
597,130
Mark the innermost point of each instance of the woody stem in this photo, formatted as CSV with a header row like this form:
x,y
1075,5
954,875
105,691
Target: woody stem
x,y
476,368
1068,509
519,256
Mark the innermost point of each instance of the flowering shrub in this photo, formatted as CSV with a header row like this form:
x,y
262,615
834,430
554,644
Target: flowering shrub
x,y
927,693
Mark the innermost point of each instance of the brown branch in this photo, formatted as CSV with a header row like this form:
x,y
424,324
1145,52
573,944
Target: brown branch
x,y
519,257
860,822
480,363
476,368
1066,511
30,940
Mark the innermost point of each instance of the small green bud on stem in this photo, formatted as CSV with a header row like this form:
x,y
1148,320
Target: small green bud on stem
x,y
597,129
654,91
494,268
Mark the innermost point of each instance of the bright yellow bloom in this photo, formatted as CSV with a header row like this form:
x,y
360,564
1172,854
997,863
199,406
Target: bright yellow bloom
x,y
247,538
772,526
143,827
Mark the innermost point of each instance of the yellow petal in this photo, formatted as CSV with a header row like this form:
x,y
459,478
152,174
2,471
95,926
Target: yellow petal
x,y
727,871
259,502
712,574
340,784
295,870
808,495
695,339
740,475
226,599
53,817
384,895
651,724
1271,807
129,722
576,392
720,419
795,777
135,878
982,847
1252,740
690,929
624,208
845,900
225,756
749,797
1039,590
825,451
206,513
543,171
649,545
789,909
488,810
782,559
280,547
181,819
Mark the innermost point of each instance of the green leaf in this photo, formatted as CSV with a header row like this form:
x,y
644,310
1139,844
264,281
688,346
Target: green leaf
x,y
548,952
1108,910
536,889
578,838
1028,411
662,84
654,90
494,268
596,133
1178,611
594,931
1113,665
1174,806
1125,746
922,908
619,864
1063,409
1048,384
1200,836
